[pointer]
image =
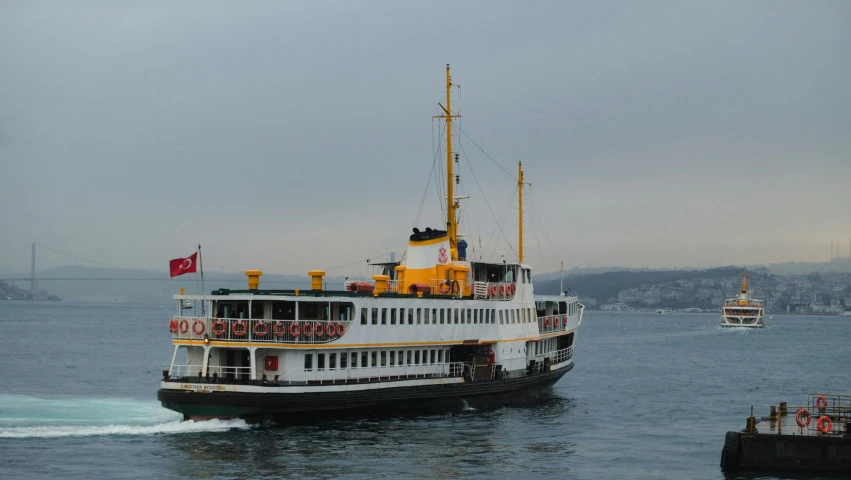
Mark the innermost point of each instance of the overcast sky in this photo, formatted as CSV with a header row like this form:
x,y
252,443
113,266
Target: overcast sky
x,y
287,136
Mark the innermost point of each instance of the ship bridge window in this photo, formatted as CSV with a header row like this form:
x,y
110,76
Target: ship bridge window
x,y
313,311
232,309
364,315
283,310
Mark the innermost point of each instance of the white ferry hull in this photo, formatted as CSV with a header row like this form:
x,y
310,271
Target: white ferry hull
x,y
287,404
747,322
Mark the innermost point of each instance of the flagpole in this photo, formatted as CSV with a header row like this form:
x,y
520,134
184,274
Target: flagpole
x,y
201,266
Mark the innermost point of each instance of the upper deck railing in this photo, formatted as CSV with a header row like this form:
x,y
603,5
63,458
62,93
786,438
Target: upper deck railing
x,y
257,330
553,323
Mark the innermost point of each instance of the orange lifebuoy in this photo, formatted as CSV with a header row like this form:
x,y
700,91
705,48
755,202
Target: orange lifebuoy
x,y
821,403
824,419
198,323
331,330
502,289
444,288
184,325
555,321
546,323
172,325
294,330
239,328
340,329
307,330
565,320
219,328
511,289
280,330
319,329
260,329
492,290
802,418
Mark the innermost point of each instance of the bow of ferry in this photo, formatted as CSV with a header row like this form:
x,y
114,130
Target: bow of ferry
x,y
437,331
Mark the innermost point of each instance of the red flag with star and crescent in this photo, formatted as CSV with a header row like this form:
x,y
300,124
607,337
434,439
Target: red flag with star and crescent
x,y
179,266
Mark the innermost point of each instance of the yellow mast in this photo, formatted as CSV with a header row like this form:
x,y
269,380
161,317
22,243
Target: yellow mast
x,y
451,220
520,196
744,282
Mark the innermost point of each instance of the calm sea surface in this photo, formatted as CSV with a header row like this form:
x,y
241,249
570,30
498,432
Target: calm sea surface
x,y
651,397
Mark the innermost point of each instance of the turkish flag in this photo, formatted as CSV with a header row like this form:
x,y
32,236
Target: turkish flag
x,y
179,266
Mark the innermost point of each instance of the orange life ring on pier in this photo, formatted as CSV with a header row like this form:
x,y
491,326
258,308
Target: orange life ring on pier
x,y
198,323
331,330
821,403
261,329
280,330
172,325
822,420
184,325
295,331
219,328
340,329
307,330
444,288
239,328
802,418
319,329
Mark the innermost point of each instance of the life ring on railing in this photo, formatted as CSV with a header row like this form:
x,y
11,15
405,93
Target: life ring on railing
x,y
565,321
511,289
821,403
295,331
239,328
307,330
184,325
444,288
546,323
821,421
501,290
319,329
492,291
280,330
219,328
198,323
802,418
261,329
341,329
555,321
331,330
172,325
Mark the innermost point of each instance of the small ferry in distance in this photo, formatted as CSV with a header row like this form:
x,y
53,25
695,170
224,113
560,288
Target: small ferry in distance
x,y
664,311
435,331
743,311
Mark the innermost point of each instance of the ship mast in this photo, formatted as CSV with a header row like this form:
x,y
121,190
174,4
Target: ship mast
x,y
520,222
451,206
744,282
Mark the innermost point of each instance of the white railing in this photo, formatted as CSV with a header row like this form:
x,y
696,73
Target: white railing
x,y
190,371
494,290
555,357
393,286
257,330
553,323
365,374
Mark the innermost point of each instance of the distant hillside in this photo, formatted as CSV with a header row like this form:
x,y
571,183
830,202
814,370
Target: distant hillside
x,y
607,285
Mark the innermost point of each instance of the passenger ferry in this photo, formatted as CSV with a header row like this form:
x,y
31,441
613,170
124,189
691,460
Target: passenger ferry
x,y
436,331
743,311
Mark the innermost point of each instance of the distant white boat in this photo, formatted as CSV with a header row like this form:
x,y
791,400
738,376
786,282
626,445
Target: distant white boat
x,y
743,311
187,304
664,311
846,313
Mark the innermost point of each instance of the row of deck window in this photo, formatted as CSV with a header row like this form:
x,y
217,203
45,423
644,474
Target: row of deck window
x,y
441,316
375,358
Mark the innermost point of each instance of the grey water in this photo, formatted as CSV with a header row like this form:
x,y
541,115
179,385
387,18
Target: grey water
x,y
651,396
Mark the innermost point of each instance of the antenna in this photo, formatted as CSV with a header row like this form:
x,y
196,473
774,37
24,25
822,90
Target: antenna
x,y
561,286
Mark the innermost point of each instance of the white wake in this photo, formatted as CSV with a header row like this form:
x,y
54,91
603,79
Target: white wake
x,y
23,416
